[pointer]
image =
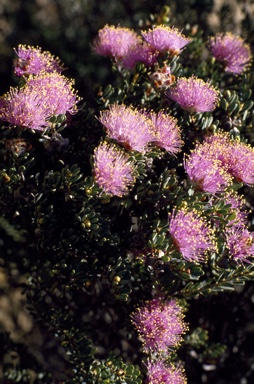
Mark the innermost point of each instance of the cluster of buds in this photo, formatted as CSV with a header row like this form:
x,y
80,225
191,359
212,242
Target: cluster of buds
x,y
162,77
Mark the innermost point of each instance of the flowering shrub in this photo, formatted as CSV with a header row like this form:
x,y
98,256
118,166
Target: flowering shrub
x,y
128,210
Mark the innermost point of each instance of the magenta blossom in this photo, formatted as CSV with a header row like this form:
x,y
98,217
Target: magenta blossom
x,y
139,53
167,132
114,41
236,157
160,373
205,172
231,51
165,39
217,146
191,235
113,170
25,109
214,164
160,324
128,126
32,60
240,243
194,95
241,162
56,92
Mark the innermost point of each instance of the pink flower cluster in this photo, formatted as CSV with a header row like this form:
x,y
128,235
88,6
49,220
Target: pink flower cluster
x,y
161,373
194,95
32,60
165,39
160,324
166,132
128,48
213,165
45,93
191,235
114,41
240,243
135,129
129,127
56,92
113,170
231,51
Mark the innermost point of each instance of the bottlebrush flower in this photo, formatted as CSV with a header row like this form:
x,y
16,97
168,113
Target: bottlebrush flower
x,y
240,243
160,324
217,146
139,53
159,373
214,164
194,95
205,172
236,157
167,132
32,60
128,126
113,170
163,38
56,92
241,162
231,51
115,41
191,235
25,109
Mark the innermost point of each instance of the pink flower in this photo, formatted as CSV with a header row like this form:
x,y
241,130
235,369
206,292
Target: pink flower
x,y
167,132
56,92
235,157
194,95
241,162
115,41
160,324
231,51
205,172
217,146
159,373
214,164
113,170
128,126
191,235
163,38
25,109
32,60
240,243
139,53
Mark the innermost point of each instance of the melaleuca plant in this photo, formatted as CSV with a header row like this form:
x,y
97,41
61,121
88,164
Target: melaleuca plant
x,y
124,213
